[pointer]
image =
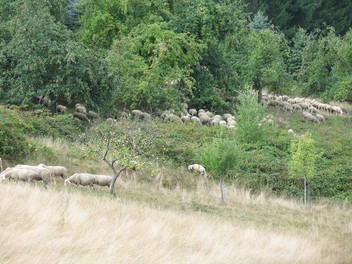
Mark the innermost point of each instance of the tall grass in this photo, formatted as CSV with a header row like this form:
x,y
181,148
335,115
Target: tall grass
x,y
40,226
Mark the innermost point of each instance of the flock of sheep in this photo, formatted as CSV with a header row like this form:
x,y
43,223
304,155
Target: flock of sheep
x,y
47,174
312,109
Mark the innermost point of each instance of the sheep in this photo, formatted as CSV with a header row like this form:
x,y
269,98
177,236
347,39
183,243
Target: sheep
x,y
192,112
46,101
321,118
124,115
43,174
210,114
93,115
196,120
81,117
304,106
185,119
287,107
102,180
345,110
337,110
83,179
273,103
56,171
172,118
198,168
226,116
312,110
204,118
297,107
16,174
79,105
61,109
137,113
311,118
81,109
146,116
185,106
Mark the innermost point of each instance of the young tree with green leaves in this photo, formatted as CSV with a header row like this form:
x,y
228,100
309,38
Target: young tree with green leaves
x,y
221,157
302,163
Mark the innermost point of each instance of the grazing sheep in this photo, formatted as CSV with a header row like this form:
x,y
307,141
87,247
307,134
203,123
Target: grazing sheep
x,y
192,112
146,116
185,119
43,174
210,114
198,168
93,115
81,116
273,103
226,116
345,110
137,114
81,109
337,110
124,115
204,118
297,107
311,118
83,179
287,107
172,118
56,171
304,106
17,174
61,109
102,180
196,120
79,105
46,101
321,118
312,110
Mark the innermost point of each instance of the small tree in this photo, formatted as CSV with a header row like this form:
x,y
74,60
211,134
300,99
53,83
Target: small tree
x,y
220,157
302,161
248,116
121,146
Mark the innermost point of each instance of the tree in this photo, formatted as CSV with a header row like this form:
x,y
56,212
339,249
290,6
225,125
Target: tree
x,y
299,43
265,66
43,58
103,21
220,156
302,163
259,23
249,115
155,66
121,146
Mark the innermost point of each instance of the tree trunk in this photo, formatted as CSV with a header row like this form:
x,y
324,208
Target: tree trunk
x,y
223,191
1,168
53,108
260,94
305,192
116,174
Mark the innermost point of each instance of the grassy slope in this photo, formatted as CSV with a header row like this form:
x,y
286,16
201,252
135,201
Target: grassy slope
x,y
183,223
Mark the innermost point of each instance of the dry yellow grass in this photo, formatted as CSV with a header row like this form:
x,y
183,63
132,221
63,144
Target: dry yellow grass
x,y
52,226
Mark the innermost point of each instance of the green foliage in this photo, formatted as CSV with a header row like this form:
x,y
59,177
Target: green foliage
x,y
327,66
13,143
299,42
259,23
155,65
103,21
265,66
303,158
248,116
220,156
43,58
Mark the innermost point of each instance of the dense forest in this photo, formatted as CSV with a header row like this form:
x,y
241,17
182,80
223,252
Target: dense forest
x,y
157,54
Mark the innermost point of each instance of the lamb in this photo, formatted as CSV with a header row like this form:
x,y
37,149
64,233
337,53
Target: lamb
x,y
56,171
61,109
102,180
83,179
81,117
198,168
43,174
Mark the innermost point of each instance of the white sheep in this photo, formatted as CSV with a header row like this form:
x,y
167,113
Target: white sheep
x,y
321,118
56,171
17,174
198,168
61,109
83,179
102,180
43,174
192,112
81,116
81,109
93,115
